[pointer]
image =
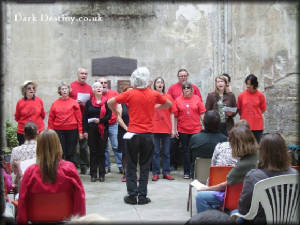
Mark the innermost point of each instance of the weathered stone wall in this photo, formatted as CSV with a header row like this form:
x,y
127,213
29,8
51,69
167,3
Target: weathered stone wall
x,y
205,38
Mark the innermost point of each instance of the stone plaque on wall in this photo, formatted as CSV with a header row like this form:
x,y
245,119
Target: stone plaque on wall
x,y
115,66
123,84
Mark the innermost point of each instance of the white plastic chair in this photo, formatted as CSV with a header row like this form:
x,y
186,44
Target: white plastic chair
x,y
279,197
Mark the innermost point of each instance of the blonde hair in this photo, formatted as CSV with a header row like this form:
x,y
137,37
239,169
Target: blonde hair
x,y
221,77
242,141
48,153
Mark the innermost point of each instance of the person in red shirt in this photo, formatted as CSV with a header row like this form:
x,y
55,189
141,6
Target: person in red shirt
x,y
82,92
189,111
66,119
50,174
112,129
251,106
175,91
30,108
141,102
163,129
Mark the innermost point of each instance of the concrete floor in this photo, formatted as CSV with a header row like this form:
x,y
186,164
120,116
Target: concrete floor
x,y
168,199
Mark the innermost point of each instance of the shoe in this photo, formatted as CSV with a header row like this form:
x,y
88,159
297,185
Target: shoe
x,y
107,170
130,199
186,176
155,177
143,200
101,179
123,179
93,179
168,177
120,170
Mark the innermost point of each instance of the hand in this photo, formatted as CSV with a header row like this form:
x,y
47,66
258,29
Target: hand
x,y
228,113
157,106
96,121
203,189
173,134
176,134
79,102
81,136
85,135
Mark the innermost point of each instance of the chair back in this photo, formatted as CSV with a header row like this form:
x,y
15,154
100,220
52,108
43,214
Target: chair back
x,y
232,196
279,197
218,174
202,166
50,207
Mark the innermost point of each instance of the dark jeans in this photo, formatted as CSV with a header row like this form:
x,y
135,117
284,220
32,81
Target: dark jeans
x,y
139,149
185,139
83,153
175,153
122,147
161,143
20,138
257,135
97,152
68,140
223,129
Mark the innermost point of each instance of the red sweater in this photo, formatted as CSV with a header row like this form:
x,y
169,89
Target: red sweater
x,y
65,115
109,94
80,88
67,180
30,110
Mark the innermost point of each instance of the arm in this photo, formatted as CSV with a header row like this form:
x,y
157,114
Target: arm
x,y
119,118
85,120
107,116
218,187
246,195
78,117
111,102
209,102
43,114
167,104
51,118
17,113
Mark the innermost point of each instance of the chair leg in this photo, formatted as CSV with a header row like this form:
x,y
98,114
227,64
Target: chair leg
x,y
189,199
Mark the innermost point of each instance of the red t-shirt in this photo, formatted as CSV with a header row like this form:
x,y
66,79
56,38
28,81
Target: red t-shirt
x,y
162,118
65,115
175,91
251,106
188,111
109,94
30,110
77,87
140,104
67,180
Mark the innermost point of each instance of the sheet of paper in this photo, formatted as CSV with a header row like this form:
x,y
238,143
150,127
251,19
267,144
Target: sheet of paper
x,y
128,135
90,120
197,184
83,97
26,163
230,109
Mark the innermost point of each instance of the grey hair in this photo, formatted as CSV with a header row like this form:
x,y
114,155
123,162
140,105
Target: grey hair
x,y
81,68
63,84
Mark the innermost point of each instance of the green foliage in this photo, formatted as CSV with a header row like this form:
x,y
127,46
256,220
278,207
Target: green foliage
x,y
11,135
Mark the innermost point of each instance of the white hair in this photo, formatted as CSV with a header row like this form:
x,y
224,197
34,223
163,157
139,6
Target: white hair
x,y
81,68
96,84
140,78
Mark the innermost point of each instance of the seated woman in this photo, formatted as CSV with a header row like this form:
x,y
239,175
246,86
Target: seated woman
x,y
244,146
50,174
273,161
222,155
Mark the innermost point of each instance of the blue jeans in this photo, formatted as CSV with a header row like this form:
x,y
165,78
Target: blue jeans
x,y
164,139
113,137
207,200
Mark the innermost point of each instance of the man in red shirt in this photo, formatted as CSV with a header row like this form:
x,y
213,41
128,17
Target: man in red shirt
x,y
141,102
82,92
175,91
112,129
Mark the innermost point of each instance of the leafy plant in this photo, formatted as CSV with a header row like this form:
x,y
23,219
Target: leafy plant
x,y
11,135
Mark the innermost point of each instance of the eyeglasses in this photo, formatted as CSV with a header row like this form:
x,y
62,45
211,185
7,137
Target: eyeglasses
x,y
30,88
103,82
187,88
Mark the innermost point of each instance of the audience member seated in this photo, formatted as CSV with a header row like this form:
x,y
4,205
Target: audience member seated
x,y
211,216
245,147
50,174
222,155
273,161
25,151
203,144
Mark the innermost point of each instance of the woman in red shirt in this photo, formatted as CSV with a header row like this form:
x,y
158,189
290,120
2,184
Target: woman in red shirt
x,y
66,119
50,174
30,108
251,105
163,128
189,111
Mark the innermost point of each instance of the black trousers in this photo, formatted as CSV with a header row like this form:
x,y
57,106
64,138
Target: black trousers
x,y
139,149
68,140
257,135
122,147
97,150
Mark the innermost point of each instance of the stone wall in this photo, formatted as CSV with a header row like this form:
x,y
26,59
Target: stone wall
x,y
206,38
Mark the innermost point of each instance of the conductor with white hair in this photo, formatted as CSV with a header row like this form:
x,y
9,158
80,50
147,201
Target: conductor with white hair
x,y
141,102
